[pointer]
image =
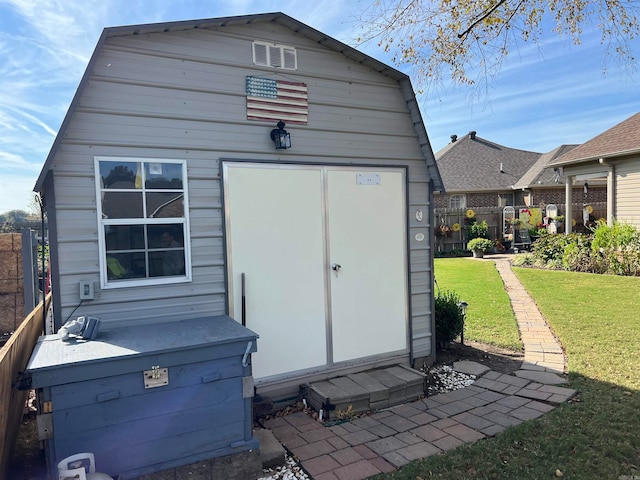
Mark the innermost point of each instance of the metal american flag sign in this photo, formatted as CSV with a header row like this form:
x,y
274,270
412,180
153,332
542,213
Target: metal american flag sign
x,y
275,100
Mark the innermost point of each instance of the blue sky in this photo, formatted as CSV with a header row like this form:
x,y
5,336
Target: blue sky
x,y
544,96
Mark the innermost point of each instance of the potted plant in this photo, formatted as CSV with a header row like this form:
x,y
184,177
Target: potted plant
x,y
479,246
559,221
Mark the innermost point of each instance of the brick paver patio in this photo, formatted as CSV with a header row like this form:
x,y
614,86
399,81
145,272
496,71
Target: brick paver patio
x,y
390,438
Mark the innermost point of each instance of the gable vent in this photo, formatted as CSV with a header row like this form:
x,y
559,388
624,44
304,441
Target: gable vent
x,y
274,55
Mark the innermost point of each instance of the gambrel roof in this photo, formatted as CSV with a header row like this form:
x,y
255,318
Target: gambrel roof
x,y
297,28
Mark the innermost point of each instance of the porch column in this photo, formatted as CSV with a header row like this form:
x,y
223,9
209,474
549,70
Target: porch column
x,y
568,199
611,195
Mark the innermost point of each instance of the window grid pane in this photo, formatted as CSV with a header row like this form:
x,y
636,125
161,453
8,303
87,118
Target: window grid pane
x,y
152,243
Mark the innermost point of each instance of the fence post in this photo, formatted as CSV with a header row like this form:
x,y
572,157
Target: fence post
x,y
30,270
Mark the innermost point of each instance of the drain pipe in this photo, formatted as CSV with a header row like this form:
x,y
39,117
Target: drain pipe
x,y
42,261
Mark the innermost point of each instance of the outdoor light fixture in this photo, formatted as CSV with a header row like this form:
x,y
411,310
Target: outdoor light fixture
x,y
462,305
281,137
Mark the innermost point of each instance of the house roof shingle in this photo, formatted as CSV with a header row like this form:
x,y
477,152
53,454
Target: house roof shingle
x,y
539,175
622,139
473,163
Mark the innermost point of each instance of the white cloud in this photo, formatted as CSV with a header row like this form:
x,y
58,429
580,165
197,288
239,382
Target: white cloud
x,y
16,191
545,95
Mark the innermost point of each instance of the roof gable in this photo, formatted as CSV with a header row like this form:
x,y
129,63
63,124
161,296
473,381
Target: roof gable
x,y
622,139
281,19
539,175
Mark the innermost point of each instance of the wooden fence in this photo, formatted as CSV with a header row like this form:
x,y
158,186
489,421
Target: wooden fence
x,y
447,220
14,356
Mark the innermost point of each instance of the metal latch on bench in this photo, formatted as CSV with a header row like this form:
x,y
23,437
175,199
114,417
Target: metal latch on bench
x,y
156,377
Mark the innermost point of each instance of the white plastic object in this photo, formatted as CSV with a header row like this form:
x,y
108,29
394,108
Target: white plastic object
x,y
75,468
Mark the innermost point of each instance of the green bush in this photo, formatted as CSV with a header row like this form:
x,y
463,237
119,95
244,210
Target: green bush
x,y
618,247
449,318
478,230
456,252
550,248
478,243
607,249
578,256
607,237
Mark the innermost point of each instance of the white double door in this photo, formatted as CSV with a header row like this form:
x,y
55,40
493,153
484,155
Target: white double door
x,y
323,253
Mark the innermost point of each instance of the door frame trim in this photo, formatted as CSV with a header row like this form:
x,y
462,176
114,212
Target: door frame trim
x,y
226,221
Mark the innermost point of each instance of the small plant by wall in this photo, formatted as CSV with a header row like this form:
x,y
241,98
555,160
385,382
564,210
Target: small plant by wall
x,y
449,317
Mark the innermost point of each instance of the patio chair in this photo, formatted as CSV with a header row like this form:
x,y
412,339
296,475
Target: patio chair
x,y
525,238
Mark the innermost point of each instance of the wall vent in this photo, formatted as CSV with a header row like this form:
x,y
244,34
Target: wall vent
x,y
274,55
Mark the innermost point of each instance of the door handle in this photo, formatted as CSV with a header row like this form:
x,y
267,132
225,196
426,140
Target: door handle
x,y
336,267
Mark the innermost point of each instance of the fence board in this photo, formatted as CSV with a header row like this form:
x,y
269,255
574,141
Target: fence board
x,y
493,215
14,356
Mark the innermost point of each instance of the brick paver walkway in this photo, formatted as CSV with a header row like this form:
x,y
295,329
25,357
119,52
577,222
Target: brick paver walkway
x,y
542,351
388,439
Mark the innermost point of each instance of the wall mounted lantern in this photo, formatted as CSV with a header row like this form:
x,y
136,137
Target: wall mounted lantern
x,y
462,305
281,137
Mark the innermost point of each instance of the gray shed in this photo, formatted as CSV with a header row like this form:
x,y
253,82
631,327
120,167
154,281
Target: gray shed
x,y
168,200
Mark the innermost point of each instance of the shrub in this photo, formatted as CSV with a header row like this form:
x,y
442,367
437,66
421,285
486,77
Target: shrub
x,y
524,260
449,318
578,256
618,247
483,244
478,230
607,237
606,249
456,252
550,248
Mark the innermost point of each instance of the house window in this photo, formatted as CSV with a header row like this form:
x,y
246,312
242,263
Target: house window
x,y
505,200
273,55
142,216
458,201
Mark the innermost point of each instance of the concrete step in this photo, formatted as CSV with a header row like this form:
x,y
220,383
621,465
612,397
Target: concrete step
x,y
272,453
364,391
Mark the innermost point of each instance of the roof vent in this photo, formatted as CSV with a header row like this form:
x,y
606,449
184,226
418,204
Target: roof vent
x,y
472,134
454,138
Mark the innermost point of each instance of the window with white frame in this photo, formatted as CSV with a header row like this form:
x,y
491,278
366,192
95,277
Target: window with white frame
x,y
143,221
458,201
274,55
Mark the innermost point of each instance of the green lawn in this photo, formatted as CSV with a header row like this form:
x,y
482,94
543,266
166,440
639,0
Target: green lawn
x,y
597,318
489,315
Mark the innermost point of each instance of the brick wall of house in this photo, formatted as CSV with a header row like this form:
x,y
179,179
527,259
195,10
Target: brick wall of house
x,y
541,197
11,282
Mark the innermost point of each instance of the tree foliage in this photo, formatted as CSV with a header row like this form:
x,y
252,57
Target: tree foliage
x,y
468,39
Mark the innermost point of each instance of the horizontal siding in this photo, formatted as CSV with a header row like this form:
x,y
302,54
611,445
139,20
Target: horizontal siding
x,y
188,134
181,95
628,192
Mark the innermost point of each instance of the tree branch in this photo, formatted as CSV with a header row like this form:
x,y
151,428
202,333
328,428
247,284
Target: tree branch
x,y
481,18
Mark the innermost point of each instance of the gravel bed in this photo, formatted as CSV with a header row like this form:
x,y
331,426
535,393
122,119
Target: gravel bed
x,y
443,378
291,470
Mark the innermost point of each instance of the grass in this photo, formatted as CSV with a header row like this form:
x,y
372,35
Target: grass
x,y
489,315
598,434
